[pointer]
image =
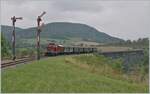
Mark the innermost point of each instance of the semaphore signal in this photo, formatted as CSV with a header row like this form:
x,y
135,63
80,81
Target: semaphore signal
x,y
38,34
14,19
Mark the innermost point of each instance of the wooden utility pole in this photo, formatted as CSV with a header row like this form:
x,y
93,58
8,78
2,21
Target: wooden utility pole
x,y
13,35
38,34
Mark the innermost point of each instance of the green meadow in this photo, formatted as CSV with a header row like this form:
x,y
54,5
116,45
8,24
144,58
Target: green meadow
x,y
76,73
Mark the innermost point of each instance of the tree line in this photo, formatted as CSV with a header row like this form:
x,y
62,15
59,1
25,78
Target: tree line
x,y
139,43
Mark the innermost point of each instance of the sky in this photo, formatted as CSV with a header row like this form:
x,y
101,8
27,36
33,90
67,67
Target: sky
x,y
126,19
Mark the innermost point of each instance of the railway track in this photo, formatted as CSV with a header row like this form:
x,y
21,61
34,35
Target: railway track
x,y
19,61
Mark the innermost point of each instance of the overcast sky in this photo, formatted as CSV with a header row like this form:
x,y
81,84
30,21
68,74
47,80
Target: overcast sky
x,y
127,19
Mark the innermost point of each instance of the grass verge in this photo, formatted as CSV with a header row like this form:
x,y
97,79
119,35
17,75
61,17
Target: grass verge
x,y
57,74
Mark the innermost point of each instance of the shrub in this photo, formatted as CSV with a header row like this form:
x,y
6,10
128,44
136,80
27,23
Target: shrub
x,y
117,64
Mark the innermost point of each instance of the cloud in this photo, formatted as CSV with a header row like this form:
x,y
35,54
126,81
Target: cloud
x,y
78,5
123,19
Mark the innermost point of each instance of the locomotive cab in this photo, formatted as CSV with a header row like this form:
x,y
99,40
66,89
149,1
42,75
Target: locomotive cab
x,y
54,49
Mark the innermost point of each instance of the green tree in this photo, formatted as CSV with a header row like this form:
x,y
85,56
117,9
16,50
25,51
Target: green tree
x,y
5,47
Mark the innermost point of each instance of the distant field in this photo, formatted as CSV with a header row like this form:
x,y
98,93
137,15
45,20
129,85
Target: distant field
x,y
87,43
33,41
113,48
57,74
45,41
72,41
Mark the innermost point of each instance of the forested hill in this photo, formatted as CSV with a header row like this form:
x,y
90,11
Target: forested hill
x,y
64,31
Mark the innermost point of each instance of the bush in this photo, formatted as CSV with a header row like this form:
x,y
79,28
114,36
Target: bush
x,y
117,65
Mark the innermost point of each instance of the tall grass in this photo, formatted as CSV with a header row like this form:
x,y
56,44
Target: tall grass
x,y
101,65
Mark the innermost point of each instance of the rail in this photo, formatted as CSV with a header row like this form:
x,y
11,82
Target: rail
x,y
19,61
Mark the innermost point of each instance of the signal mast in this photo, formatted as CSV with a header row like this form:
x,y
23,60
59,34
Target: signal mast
x,y
14,19
38,34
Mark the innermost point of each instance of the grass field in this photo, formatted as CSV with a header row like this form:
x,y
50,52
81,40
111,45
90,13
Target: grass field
x,y
45,41
113,48
56,74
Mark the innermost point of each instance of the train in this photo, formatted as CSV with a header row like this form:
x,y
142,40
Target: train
x,y
53,49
